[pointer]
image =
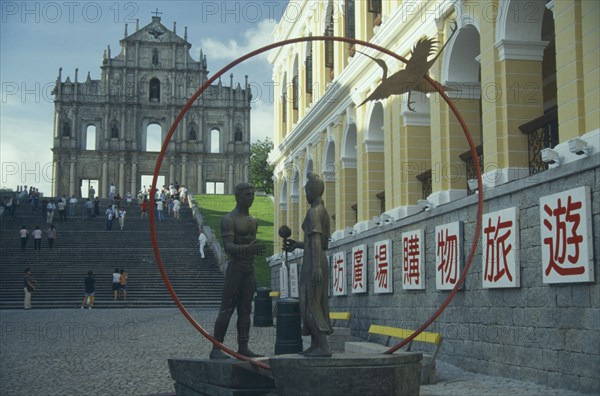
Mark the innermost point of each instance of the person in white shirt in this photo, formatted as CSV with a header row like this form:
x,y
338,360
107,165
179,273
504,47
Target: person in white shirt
x,y
116,276
72,202
176,207
50,208
159,210
122,218
202,239
37,238
112,191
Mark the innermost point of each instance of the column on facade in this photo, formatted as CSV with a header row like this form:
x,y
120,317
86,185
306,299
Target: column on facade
x,y
134,130
407,155
448,172
293,202
199,180
123,128
121,185
301,194
55,177
134,177
171,171
280,197
288,68
72,177
183,179
230,179
104,132
371,170
75,132
103,188
518,99
329,170
302,94
576,26
590,30
347,184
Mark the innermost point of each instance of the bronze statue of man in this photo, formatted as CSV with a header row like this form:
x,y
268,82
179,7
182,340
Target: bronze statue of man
x,y
314,276
238,230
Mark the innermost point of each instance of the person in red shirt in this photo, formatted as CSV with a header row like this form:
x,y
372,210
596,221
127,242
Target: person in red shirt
x,y
144,208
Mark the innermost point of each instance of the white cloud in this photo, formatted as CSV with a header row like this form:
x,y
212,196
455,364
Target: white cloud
x,y
261,120
232,49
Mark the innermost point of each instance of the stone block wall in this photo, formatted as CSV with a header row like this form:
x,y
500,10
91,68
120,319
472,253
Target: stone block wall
x,y
548,334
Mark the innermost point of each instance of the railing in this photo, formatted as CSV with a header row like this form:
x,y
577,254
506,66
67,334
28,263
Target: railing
x,y
467,158
212,239
426,187
541,133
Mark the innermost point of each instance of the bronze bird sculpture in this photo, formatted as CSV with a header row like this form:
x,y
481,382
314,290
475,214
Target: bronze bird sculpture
x,y
411,77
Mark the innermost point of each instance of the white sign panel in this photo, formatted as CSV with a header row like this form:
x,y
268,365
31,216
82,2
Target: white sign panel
x,y
500,249
359,269
339,274
448,255
283,282
566,233
294,291
413,257
382,267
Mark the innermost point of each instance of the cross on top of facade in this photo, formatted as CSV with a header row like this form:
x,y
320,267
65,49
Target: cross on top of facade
x,y
156,13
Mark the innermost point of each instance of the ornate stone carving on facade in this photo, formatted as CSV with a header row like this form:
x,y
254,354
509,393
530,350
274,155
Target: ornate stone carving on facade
x,y
147,83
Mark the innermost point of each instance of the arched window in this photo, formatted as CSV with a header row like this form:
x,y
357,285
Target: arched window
x,y
153,137
114,131
329,32
192,133
66,129
90,137
238,134
155,57
154,90
284,99
215,139
295,90
308,63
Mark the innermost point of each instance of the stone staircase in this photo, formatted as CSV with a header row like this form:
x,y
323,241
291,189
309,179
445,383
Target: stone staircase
x,y
84,244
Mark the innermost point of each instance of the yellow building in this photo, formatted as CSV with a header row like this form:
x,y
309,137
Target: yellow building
x,y
523,74
525,77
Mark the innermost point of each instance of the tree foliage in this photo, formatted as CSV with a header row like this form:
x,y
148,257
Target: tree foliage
x,y
261,173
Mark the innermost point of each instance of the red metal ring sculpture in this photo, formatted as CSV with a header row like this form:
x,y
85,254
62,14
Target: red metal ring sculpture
x,y
249,55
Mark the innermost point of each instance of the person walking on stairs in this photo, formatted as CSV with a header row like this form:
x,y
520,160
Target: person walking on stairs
x,y
202,239
90,291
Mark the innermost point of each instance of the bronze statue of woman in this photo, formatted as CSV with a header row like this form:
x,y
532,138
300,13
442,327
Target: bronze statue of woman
x,y
314,276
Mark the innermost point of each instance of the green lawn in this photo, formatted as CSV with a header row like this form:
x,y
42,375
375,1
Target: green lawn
x,y
214,207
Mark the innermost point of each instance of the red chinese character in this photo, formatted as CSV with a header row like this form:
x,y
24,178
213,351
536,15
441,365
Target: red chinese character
x,y
559,243
447,250
338,274
381,275
412,251
496,250
358,269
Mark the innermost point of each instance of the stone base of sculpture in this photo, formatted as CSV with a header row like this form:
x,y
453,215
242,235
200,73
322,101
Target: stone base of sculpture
x,y
194,377
347,374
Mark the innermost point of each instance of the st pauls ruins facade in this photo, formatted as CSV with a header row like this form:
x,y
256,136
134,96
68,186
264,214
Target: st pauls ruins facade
x,y
101,127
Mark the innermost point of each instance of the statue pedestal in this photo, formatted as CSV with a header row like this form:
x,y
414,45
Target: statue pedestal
x,y
348,374
341,374
219,377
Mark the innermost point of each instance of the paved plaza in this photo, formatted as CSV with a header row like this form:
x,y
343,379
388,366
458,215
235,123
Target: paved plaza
x,y
125,352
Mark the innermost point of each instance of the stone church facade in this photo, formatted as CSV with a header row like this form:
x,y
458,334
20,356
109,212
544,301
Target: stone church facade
x,y
101,126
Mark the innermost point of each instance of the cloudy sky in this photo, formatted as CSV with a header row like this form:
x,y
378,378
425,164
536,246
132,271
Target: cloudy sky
x,y
38,37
